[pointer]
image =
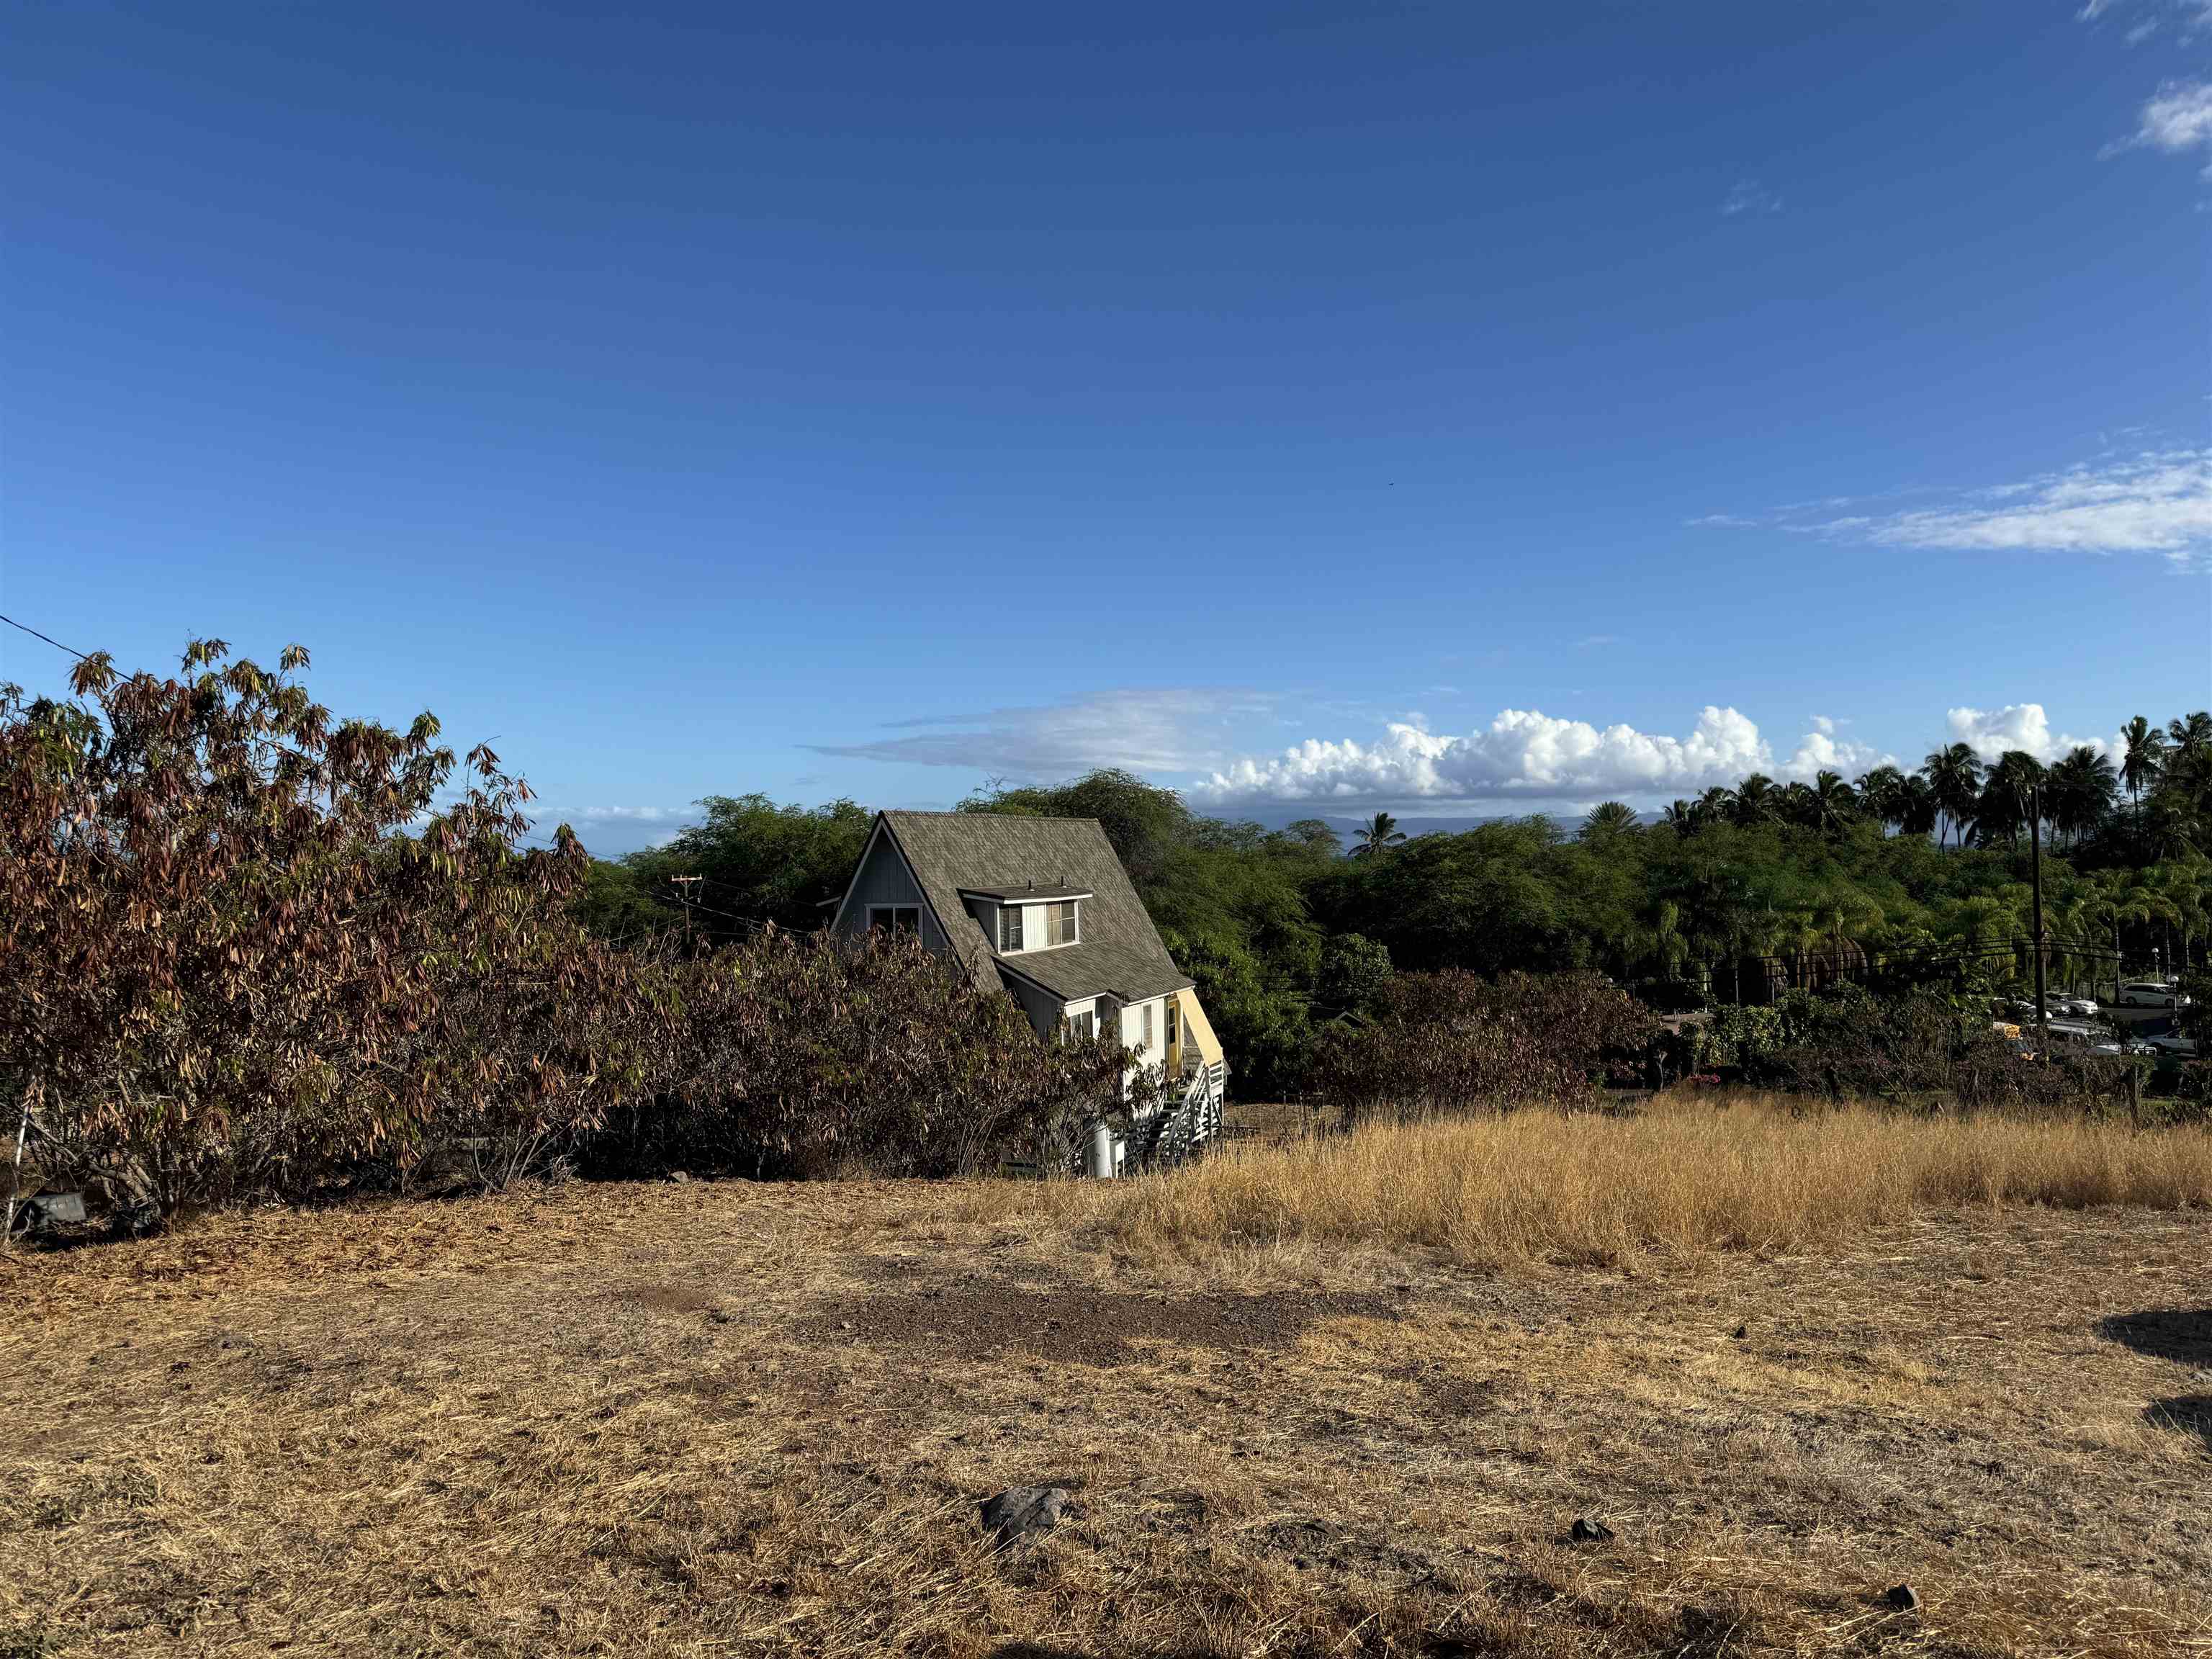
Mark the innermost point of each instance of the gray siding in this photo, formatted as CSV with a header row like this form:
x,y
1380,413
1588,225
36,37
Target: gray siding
x,y
1042,1007
883,880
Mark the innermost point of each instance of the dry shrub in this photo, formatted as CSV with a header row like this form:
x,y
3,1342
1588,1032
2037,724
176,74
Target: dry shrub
x,y
1453,1042
1682,1181
248,950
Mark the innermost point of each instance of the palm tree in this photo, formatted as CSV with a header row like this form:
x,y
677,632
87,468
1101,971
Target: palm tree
x,y
1378,834
1714,804
2145,757
1679,816
2080,791
2007,796
1755,799
1795,804
1833,804
1954,777
1916,812
2191,734
1881,792
1665,943
1611,818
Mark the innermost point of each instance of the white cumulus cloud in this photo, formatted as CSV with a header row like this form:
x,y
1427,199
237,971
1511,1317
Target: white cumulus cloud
x,y
1523,754
1990,733
1821,750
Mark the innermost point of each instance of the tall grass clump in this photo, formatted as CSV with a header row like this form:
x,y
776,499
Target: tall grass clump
x,y
1684,1181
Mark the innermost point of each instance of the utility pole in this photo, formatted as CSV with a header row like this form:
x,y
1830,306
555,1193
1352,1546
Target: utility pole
x,y
2035,880
683,885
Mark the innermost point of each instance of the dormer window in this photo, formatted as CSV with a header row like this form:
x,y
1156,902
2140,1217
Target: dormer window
x,y
1060,923
1010,927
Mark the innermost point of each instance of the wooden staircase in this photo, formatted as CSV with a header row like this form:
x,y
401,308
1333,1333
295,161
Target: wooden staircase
x,y
1184,1129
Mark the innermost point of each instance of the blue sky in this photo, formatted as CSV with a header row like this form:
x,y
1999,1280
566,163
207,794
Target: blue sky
x,y
1459,409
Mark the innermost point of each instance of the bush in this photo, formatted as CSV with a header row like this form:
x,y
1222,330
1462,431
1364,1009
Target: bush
x,y
1450,1042
799,1057
250,952
1847,1043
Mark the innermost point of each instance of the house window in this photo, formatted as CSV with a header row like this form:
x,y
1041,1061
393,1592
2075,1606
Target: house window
x,y
1060,923
895,918
1010,927
1083,1026
1172,1033
1148,1025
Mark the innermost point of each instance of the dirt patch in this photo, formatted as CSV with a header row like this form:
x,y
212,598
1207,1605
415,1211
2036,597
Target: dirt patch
x,y
1320,1543
1071,1324
670,1298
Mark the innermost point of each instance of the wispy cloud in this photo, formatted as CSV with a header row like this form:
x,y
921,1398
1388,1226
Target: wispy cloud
x,y
2155,501
2177,118
1166,729
2159,503
633,815
1749,198
2150,15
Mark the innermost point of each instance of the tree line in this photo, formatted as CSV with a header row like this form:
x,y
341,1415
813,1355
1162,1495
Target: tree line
x,y
1734,894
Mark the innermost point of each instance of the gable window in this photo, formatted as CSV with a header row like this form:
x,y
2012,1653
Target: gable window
x,y
1148,1025
895,919
1010,927
1060,923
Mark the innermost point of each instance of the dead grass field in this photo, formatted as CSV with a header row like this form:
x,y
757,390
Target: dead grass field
x,y
726,1419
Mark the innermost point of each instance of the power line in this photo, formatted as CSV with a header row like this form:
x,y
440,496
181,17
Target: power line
x,y
80,655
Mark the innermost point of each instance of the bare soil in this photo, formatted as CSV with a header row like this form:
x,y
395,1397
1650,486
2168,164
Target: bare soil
x,y
722,1419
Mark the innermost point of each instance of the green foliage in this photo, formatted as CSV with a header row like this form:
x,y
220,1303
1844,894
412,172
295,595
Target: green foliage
x,y
1355,970
754,861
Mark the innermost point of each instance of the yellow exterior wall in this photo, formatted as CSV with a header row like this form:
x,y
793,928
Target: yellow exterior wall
x,y
1197,1029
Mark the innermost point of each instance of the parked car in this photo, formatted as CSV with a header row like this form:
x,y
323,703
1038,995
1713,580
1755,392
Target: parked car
x,y
2061,1007
2181,1046
2149,994
2142,1050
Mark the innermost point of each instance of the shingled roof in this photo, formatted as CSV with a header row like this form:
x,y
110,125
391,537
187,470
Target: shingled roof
x,y
950,853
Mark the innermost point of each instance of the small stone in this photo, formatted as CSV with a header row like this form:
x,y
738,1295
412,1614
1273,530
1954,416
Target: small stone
x,y
1900,1598
1586,1531
1019,1515
679,1176
1742,1332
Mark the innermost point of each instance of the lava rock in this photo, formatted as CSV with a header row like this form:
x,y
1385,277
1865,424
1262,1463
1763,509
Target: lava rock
x,y
1020,1515
1586,1531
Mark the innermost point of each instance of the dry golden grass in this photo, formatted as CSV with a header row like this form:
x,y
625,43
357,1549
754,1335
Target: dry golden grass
x,y
1691,1175
729,1419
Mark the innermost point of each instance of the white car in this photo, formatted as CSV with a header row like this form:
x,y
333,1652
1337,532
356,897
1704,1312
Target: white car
x,y
2137,1049
2078,1008
2149,994
2181,1046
